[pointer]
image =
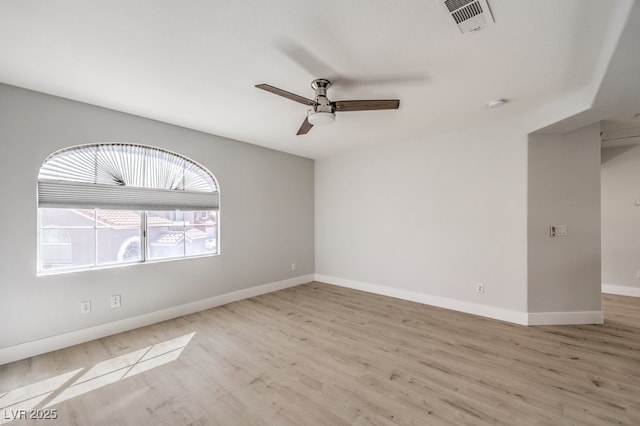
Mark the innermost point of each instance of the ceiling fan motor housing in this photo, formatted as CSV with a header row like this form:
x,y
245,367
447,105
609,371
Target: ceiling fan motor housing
x,y
322,112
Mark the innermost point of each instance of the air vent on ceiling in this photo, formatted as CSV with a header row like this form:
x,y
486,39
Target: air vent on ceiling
x,y
469,15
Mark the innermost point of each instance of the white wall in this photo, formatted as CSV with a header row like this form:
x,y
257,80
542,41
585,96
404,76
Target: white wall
x,y
431,217
564,189
620,173
267,219
427,219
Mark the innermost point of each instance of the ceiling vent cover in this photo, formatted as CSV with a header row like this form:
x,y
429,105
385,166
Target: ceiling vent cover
x,y
469,15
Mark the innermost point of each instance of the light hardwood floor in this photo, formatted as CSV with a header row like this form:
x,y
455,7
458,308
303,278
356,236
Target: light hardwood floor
x,y
317,354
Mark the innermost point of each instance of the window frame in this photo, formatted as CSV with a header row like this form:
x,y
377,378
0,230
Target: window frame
x,y
143,240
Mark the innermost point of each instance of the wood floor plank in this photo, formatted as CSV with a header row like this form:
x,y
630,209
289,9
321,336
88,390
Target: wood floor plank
x,y
318,354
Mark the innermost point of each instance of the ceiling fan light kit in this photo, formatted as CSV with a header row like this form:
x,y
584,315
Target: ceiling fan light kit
x,y
321,110
320,118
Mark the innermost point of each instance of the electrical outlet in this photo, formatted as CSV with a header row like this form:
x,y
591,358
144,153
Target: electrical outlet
x,y
479,288
115,301
293,266
85,307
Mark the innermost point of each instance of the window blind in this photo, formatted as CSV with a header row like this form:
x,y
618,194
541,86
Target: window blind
x,y
86,195
125,176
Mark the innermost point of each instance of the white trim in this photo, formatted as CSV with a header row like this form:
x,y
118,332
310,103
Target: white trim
x,y
565,318
621,290
48,344
522,318
442,302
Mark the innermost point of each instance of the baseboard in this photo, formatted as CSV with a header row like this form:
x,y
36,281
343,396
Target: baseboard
x,y
441,302
48,344
621,290
565,318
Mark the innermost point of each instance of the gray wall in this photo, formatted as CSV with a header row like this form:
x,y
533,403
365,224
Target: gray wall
x,y
620,173
267,219
432,216
564,189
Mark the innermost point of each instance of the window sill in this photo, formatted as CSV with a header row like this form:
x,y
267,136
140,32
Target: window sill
x,y
61,271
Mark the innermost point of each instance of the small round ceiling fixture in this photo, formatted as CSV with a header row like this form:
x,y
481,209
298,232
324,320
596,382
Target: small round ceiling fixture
x,y
496,103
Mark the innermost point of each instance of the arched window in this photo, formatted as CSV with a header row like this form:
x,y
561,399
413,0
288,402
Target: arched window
x,y
124,203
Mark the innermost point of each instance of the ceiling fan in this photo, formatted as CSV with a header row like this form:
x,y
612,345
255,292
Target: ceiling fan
x,y
322,111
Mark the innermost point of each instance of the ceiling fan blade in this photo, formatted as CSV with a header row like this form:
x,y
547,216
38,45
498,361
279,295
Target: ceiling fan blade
x,y
366,105
304,129
309,60
395,80
306,59
285,94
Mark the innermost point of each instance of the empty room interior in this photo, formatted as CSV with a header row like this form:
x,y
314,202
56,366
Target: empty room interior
x,y
423,212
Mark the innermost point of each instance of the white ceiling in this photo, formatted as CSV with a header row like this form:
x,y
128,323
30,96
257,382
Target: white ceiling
x,y
195,63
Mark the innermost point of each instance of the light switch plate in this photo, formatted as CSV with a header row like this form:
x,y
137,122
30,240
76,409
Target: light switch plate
x,y
559,230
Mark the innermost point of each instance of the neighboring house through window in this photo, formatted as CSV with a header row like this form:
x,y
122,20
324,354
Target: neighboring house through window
x,y
55,247
109,204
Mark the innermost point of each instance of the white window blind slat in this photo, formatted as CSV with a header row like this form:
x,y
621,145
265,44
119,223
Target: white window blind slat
x,y
66,194
127,164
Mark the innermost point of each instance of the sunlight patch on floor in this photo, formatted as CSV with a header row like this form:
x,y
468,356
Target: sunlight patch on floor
x,y
52,391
